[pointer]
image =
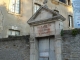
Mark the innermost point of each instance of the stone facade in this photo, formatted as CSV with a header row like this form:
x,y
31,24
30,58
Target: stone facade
x,y
14,21
63,8
70,47
15,48
9,20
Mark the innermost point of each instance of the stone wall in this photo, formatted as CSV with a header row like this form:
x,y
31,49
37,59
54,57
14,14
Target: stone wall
x,y
15,48
70,46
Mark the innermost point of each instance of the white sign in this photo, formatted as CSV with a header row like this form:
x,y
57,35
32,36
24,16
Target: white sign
x,y
44,54
76,12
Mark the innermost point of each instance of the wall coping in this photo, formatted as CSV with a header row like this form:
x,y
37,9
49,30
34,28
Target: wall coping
x,y
13,38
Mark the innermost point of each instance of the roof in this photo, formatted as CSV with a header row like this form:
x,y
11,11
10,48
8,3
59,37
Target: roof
x,y
56,15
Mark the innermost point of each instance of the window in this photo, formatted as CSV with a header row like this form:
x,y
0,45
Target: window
x,y
68,2
14,32
64,1
14,6
36,7
70,21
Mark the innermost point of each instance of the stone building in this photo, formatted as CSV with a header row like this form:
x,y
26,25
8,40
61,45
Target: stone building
x,y
45,24
15,13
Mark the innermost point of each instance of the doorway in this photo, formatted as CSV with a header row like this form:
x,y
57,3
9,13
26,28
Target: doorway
x,y
47,48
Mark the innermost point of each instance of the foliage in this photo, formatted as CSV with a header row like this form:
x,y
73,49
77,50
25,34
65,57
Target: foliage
x,y
74,32
62,32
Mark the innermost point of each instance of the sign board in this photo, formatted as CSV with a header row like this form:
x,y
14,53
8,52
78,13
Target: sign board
x,y
44,54
76,13
44,30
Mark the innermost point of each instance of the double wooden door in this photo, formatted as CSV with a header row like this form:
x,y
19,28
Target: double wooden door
x,y
46,49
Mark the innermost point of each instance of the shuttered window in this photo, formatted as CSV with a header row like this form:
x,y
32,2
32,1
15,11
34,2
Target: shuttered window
x,y
14,6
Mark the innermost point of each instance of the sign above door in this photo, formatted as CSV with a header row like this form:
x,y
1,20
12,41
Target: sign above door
x,y
44,30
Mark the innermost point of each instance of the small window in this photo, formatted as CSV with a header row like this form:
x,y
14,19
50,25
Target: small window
x,y
14,6
14,32
64,1
70,21
36,7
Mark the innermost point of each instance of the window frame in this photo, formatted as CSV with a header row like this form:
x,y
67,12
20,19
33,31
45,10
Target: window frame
x,y
70,18
15,11
12,30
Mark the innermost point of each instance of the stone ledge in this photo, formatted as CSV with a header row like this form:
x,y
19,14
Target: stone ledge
x,y
69,32
12,38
